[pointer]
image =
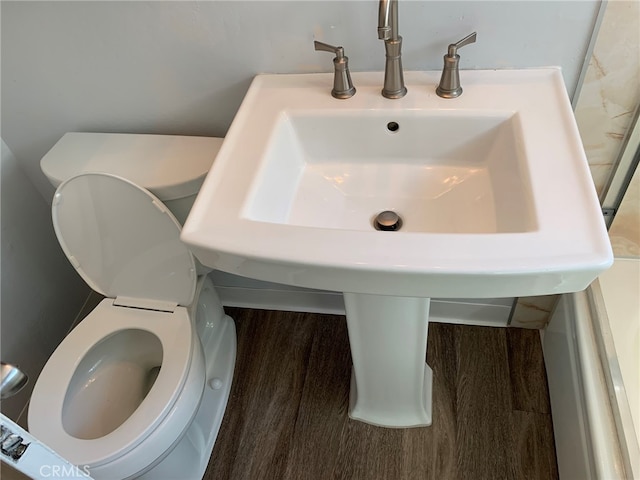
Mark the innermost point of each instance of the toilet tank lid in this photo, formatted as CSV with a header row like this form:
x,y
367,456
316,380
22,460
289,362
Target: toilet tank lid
x,y
169,166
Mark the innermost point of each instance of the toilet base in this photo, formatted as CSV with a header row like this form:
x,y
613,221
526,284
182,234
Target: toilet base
x,y
190,457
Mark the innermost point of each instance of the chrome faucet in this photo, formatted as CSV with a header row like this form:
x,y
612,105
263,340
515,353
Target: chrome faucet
x,y
388,31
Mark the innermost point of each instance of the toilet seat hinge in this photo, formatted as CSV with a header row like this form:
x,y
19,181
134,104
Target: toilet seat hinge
x,y
145,304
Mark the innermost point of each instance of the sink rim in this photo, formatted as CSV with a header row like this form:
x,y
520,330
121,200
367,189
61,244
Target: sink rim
x,y
561,247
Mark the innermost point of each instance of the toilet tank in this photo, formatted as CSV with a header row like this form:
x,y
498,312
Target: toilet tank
x,y
172,167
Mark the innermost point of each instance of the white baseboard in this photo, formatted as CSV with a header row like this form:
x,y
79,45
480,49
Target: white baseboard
x,y
485,312
311,301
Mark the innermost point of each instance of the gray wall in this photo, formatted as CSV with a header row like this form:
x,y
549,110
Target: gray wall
x,y
40,293
183,67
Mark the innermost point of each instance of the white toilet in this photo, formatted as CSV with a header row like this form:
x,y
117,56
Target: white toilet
x,y
138,389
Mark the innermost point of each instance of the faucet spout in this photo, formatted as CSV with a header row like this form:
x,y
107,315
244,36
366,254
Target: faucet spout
x,y
388,31
385,17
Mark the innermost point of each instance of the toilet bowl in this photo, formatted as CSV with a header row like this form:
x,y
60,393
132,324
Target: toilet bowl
x,y
94,404
139,387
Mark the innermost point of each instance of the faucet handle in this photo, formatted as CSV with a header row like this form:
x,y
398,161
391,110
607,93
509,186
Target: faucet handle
x,y
325,47
449,86
453,48
342,86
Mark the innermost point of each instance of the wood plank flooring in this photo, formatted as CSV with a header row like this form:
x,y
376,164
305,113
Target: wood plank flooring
x,y
287,414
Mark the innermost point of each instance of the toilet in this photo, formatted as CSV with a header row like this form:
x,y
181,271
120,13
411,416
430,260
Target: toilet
x,y
139,387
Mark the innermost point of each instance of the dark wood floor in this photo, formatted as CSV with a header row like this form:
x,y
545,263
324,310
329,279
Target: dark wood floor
x,y
287,414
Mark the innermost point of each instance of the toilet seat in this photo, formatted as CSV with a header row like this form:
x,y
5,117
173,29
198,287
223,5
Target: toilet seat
x,y
175,332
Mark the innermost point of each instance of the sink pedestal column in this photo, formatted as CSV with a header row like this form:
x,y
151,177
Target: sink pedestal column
x,y
391,382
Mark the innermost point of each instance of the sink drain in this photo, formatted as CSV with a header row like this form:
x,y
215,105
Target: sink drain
x,y
387,221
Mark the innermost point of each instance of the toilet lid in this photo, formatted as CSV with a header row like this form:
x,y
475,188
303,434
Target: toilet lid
x,y
122,240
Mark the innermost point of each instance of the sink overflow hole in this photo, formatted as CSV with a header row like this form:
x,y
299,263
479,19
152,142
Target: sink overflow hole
x,y
393,127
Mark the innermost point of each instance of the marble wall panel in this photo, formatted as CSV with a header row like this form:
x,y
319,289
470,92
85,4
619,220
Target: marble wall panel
x,y
625,230
610,93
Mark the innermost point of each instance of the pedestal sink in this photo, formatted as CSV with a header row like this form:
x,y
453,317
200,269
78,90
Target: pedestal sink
x,y
493,189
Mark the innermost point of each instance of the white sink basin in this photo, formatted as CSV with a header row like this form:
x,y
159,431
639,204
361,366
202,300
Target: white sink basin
x,y
442,171
493,189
